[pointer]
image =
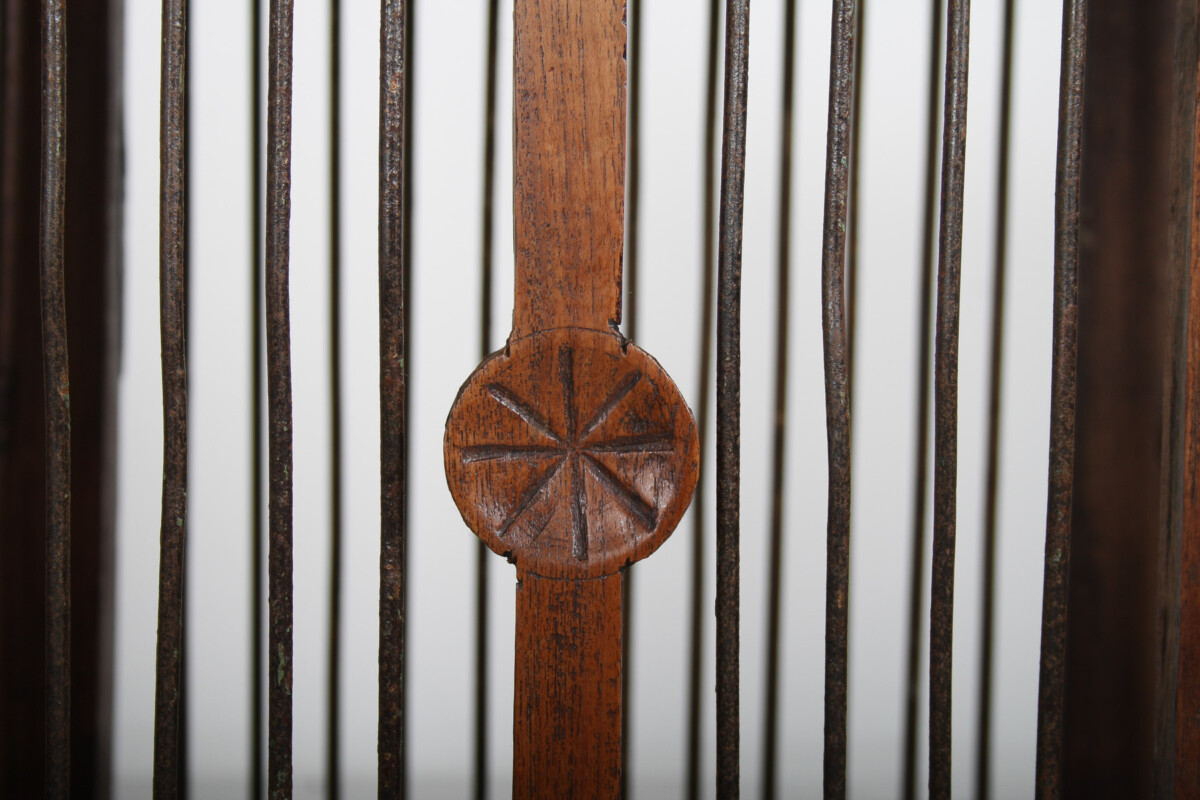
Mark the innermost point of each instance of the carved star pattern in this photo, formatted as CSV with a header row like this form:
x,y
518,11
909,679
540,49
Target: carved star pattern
x,y
575,449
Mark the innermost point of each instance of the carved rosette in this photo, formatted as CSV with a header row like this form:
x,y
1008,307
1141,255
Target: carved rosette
x,y
571,453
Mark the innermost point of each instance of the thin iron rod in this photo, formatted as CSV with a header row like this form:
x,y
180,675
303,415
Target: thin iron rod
x,y
173,314
58,398
409,234
999,265
837,398
333,745
945,475
632,201
392,397
279,394
920,516
257,346
485,336
729,363
184,693
1052,677
779,440
853,204
703,402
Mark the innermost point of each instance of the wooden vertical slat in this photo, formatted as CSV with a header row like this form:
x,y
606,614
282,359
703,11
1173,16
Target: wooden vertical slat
x,y
1177,740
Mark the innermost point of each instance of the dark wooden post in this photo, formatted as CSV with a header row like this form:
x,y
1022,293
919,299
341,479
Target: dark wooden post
x,y
1177,739
1115,514
570,452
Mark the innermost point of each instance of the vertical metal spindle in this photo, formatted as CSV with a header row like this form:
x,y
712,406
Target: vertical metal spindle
x,y
999,265
58,401
921,450
945,475
485,336
392,396
333,695
779,440
729,358
407,238
279,398
184,693
1052,675
173,314
257,345
837,399
632,199
853,205
703,402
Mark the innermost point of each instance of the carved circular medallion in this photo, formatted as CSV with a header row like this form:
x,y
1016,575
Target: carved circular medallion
x,y
571,455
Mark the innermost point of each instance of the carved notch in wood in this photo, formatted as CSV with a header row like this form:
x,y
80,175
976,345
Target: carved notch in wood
x,y
570,452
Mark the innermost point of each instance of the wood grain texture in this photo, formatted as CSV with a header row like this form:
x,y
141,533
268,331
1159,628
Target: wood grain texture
x,y
571,453
1177,740
567,705
569,163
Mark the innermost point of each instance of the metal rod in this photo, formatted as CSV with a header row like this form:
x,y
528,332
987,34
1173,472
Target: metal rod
x,y
392,397
853,205
279,398
837,399
945,475
999,265
409,234
184,684
632,202
920,516
633,197
1052,675
58,398
333,744
173,317
779,440
257,346
729,358
703,402
485,337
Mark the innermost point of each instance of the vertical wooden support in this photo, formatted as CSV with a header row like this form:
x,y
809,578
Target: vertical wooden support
x,y
570,452
1177,740
92,253
1108,717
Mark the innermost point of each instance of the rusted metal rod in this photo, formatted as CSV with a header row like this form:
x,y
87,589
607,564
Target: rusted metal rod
x,y
333,693
703,399
837,399
999,267
920,516
58,400
393,376
783,256
279,399
633,12
1051,680
257,345
729,358
173,319
854,206
485,347
945,474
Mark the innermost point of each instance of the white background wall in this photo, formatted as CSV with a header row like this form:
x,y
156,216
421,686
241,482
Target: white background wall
x,y
449,129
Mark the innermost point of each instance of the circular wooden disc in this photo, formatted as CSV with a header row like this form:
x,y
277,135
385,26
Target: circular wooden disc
x,y
571,454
